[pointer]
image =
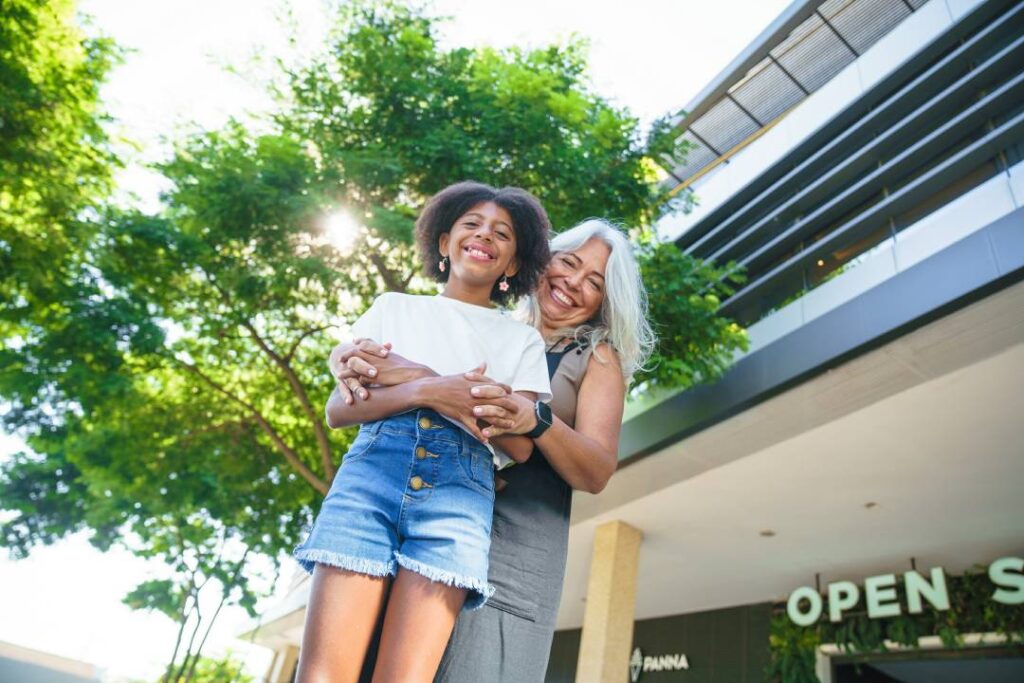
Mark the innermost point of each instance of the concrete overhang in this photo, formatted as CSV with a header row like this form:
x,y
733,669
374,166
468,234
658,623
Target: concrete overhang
x,y
911,449
281,625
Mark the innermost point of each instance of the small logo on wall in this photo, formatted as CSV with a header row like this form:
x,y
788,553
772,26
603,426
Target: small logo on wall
x,y
636,662
639,663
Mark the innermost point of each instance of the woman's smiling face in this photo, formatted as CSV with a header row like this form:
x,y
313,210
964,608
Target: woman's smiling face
x,y
571,290
481,245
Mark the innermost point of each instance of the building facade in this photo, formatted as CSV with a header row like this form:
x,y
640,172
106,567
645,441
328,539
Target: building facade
x,y
856,477
19,664
862,161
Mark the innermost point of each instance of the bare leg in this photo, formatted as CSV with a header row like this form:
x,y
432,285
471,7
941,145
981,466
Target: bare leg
x,y
419,620
340,618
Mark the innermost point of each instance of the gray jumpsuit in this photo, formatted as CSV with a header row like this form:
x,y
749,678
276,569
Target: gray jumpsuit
x,y
509,639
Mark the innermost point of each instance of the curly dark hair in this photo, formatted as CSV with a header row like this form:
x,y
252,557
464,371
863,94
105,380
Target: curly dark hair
x,y
529,220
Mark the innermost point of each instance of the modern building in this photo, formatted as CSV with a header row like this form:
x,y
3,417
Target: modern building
x,y
857,476
862,159
20,664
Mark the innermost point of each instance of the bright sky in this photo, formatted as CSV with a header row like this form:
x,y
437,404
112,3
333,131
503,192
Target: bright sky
x,y
652,56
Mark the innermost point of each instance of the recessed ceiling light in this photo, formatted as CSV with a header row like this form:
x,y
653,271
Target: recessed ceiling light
x,y
767,533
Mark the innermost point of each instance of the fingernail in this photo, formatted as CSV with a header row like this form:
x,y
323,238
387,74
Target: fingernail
x,y
474,391
373,372
477,411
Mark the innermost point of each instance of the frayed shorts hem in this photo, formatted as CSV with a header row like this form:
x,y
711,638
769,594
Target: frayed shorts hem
x,y
310,557
478,592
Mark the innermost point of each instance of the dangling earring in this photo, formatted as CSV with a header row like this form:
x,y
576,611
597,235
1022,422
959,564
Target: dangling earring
x,y
503,283
443,265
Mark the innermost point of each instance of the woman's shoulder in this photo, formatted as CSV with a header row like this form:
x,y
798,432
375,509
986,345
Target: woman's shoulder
x,y
604,361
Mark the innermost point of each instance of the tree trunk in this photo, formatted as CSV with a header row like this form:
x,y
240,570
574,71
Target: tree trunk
x,y
191,642
199,650
185,615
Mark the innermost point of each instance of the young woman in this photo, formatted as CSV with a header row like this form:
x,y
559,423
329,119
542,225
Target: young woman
x,y
414,496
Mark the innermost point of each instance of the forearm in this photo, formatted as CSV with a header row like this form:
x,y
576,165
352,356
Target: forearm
x,y
583,462
383,402
514,446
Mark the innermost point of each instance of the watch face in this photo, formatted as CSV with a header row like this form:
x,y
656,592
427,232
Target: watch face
x,y
544,413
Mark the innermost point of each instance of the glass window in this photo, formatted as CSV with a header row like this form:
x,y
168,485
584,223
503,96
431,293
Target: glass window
x,y
945,195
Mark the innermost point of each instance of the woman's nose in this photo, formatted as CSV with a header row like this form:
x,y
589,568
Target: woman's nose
x,y
575,280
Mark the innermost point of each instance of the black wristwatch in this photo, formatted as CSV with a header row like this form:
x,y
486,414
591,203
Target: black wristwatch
x,y
543,413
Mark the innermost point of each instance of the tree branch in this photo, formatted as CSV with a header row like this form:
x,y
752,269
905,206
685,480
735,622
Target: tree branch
x,y
392,280
319,430
185,614
290,455
191,642
223,599
295,346
186,439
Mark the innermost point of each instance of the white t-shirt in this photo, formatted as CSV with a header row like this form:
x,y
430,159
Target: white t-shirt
x,y
452,337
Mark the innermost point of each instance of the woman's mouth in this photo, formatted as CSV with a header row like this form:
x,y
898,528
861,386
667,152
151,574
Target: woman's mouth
x,y
560,298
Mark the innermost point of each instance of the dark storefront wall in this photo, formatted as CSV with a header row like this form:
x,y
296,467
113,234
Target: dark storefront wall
x,y
721,646
988,665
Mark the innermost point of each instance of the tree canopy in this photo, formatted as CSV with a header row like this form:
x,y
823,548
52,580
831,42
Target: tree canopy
x,y
55,161
168,369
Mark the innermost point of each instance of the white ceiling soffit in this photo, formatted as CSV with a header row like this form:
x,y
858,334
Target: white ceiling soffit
x,y
928,428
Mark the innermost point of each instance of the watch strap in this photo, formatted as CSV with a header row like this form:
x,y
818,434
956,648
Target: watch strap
x,y
544,420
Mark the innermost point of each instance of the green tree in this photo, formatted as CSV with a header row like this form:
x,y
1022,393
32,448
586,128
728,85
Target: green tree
x,y
225,670
178,379
391,118
55,160
695,343
203,562
225,296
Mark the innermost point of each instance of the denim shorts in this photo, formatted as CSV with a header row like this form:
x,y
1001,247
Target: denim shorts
x,y
413,491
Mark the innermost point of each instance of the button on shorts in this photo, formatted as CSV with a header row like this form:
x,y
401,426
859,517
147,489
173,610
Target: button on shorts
x,y
413,491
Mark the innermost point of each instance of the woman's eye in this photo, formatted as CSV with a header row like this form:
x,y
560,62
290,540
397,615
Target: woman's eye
x,y
568,261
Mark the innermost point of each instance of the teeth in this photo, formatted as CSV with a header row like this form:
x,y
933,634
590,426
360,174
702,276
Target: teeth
x,y
477,252
561,297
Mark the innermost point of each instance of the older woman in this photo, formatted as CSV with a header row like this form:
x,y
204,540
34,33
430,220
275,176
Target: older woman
x,y
590,307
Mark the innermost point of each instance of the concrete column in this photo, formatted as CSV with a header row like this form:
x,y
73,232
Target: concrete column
x,y
282,669
272,668
611,605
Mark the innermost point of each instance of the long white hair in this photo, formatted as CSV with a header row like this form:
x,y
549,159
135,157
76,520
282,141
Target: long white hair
x,y
622,319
